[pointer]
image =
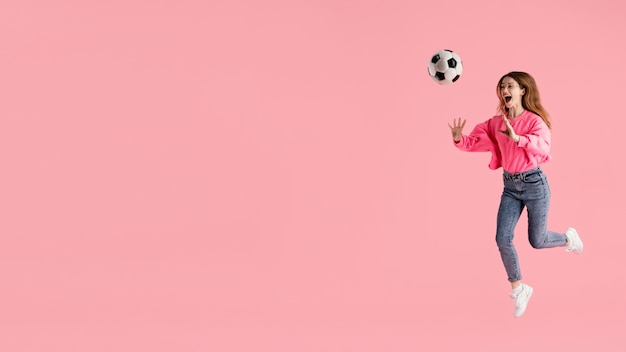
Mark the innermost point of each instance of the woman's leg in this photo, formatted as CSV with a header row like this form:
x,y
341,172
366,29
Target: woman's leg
x,y
537,208
508,215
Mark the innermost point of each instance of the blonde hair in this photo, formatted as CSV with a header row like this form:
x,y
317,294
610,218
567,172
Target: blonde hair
x,y
530,99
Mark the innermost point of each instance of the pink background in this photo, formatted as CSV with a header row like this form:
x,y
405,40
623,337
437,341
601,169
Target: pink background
x,y
279,176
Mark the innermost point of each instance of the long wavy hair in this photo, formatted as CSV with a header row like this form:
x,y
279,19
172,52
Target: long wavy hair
x,y
530,99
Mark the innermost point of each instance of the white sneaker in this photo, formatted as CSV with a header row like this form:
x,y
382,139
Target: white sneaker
x,y
521,300
575,243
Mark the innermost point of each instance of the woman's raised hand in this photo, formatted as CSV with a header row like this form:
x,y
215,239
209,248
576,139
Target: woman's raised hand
x,y
509,132
457,129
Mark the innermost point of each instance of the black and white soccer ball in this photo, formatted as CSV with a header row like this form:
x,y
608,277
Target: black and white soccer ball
x,y
445,67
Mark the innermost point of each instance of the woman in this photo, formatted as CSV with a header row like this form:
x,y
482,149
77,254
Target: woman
x,y
519,140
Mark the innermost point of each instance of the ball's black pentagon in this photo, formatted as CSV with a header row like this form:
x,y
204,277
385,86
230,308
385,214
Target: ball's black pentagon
x,y
455,78
440,76
452,63
435,59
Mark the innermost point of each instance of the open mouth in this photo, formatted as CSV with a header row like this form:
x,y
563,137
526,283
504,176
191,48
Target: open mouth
x,y
507,98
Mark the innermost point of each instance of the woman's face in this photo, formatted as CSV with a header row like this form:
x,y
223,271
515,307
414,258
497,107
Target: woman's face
x,y
511,93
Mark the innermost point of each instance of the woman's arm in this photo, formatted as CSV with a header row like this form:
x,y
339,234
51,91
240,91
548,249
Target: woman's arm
x,y
537,140
479,140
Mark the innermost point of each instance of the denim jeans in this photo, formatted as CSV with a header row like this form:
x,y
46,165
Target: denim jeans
x,y
529,189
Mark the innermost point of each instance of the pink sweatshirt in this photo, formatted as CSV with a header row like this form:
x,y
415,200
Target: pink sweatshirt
x,y
533,147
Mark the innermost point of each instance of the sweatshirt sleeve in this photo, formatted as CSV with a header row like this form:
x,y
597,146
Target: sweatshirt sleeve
x,y
478,140
537,140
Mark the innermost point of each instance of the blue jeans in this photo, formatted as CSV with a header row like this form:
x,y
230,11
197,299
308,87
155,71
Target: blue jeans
x,y
529,189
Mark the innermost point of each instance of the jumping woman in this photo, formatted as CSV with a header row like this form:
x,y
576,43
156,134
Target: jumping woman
x,y
519,141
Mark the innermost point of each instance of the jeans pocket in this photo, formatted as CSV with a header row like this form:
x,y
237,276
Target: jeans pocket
x,y
533,178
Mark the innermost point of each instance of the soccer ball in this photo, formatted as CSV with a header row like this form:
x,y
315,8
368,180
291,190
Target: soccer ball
x,y
445,67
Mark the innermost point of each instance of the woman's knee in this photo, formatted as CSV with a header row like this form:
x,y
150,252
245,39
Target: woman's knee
x,y
536,241
503,240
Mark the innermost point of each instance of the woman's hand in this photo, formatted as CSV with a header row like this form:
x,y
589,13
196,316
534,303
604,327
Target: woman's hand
x,y
509,132
457,129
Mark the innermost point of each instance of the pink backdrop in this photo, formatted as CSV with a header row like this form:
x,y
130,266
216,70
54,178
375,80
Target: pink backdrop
x,y
185,175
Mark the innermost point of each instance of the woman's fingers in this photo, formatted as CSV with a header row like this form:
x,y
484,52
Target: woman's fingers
x,y
457,124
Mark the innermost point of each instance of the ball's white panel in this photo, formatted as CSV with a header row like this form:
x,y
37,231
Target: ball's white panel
x,y
459,68
445,55
442,65
432,69
450,74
